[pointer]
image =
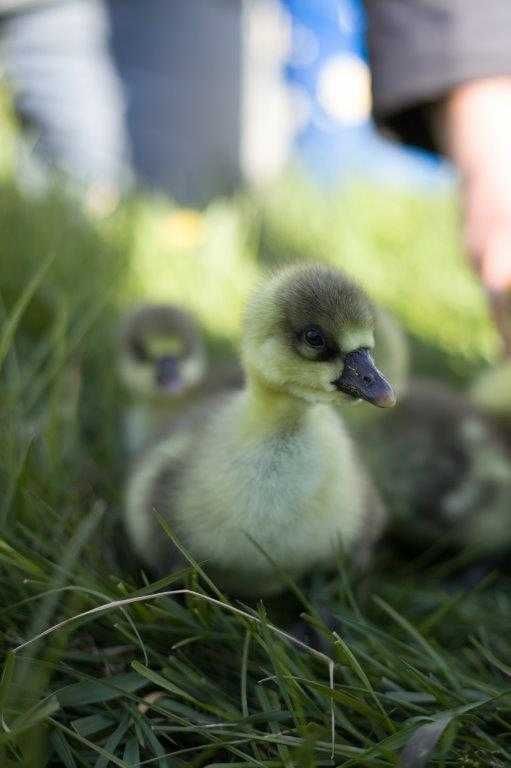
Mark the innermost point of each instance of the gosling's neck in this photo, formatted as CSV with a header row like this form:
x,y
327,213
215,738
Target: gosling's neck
x,y
269,410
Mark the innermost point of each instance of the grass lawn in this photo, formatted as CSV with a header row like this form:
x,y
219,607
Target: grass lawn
x,y
421,661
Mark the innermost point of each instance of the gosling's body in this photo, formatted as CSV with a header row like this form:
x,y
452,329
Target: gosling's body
x,y
271,469
443,470
491,392
295,487
441,461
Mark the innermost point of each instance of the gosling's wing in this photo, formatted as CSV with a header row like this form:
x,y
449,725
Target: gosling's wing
x,y
155,482
151,490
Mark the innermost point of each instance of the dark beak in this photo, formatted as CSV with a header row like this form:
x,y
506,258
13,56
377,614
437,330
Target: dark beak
x,y
361,378
167,374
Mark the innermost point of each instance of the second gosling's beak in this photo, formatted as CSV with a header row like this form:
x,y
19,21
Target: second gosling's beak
x,y
167,374
361,378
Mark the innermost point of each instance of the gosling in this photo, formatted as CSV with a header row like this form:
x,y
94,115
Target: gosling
x,y
162,362
267,479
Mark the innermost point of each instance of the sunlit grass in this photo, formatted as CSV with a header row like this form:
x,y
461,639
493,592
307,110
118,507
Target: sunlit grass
x,y
421,661
405,251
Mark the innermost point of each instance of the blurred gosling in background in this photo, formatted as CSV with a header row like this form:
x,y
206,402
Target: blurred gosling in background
x,y
271,468
443,471
391,352
492,393
162,361
442,466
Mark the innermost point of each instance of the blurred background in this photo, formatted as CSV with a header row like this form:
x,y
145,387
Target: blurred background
x,y
226,92
242,134
194,99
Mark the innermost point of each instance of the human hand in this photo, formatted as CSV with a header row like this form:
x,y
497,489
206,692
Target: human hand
x,y
487,234
477,125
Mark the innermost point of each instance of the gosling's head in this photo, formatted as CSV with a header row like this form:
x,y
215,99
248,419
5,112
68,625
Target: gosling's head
x,y
309,331
162,353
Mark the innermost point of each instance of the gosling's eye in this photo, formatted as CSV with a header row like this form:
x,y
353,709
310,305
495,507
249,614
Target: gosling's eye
x,y
314,338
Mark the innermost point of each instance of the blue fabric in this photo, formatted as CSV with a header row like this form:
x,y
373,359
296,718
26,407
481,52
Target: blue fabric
x,y
328,148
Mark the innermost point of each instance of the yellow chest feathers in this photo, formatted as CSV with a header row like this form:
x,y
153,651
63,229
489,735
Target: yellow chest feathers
x,y
297,493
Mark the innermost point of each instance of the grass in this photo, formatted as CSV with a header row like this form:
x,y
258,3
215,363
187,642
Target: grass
x,y
421,661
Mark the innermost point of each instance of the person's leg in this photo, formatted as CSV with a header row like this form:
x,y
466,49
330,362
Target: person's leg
x,y
68,95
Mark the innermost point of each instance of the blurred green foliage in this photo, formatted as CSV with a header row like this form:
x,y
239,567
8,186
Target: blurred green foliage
x,y
403,249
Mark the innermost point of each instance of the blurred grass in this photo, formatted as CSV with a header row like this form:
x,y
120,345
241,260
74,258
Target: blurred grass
x,y
425,665
404,250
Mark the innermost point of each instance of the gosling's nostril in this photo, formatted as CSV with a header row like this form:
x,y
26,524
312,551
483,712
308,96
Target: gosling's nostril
x,y
368,379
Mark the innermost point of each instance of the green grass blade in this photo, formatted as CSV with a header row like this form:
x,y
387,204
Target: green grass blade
x,y
12,322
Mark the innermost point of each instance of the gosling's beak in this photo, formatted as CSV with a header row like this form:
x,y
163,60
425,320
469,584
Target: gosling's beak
x,y
361,378
168,376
